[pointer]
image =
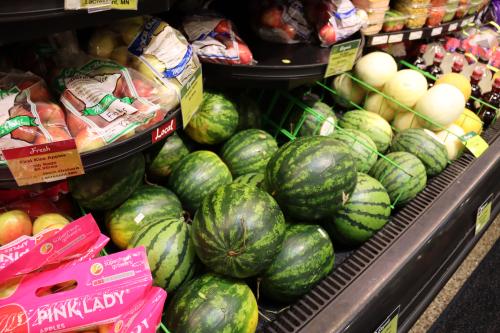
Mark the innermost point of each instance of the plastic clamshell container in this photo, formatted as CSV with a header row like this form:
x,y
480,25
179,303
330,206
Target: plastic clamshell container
x,y
451,9
417,13
376,15
416,21
372,29
462,9
369,4
394,21
474,6
435,16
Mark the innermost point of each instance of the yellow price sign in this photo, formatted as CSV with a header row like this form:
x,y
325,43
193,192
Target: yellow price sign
x,y
390,324
483,214
342,57
191,97
475,143
97,5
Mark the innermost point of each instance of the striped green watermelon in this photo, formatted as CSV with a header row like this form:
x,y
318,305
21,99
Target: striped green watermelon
x,y
148,203
108,187
363,149
171,152
403,179
319,119
366,212
248,151
254,179
249,113
171,254
196,175
311,177
212,303
370,123
425,145
306,257
238,230
215,121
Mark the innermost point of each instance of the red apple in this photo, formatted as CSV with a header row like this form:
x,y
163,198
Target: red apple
x,y
50,113
75,123
87,140
272,17
38,90
56,133
327,34
14,224
245,54
224,26
143,88
289,30
121,89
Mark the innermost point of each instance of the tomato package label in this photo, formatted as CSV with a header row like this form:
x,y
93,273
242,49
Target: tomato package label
x,y
44,163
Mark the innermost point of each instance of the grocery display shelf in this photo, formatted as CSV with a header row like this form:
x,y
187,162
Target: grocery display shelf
x,y
403,267
421,33
31,19
112,152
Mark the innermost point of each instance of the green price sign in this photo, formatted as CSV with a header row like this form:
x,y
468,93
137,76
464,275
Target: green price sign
x,y
483,214
342,57
390,324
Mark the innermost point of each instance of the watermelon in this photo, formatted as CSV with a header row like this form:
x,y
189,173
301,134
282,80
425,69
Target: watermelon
x,y
248,151
196,175
211,303
425,145
254,179
366,212
171,152
319,119
363,149
403,176
311,177
215,121
170,251
370,123
306,257
238,230
249,114
148,203
108,187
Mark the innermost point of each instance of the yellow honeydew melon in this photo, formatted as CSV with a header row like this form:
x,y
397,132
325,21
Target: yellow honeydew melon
x,y
442,104
470,122
348,90
405,120
406,86
457,80
376,68
376,103
450,137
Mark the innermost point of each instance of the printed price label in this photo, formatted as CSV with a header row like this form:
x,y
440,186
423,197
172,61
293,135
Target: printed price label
x,y
99,5
415,35
475,143
395,38
377,40
483,214
453,27
390,324
191,97
436,31
342,57
44,163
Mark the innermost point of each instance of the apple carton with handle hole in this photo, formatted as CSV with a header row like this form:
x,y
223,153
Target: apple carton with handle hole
x,y
83,295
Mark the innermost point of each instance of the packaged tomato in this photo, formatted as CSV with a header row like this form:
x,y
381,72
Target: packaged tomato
x,y
282,21
106,102
214,39
27,114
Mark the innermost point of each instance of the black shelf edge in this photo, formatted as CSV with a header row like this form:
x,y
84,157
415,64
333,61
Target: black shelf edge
x,y
408,261
384,38
31,19
112,152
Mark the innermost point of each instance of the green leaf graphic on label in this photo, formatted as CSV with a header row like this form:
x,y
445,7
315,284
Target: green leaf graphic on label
x,y
5,93
104,104
14,123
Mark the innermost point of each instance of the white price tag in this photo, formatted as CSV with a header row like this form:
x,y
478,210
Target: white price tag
x,y
463,23
436,31
415,35
453,27
379,40
395,38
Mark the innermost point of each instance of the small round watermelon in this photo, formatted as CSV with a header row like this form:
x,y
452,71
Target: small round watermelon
x,y
370,123
402,174
196,175
215,121
249,113
363,149
318,120
108,187
306,257
367,211
248,151
211,303
425,145
238,230
254,179
148,203
311,177
170,251
171,152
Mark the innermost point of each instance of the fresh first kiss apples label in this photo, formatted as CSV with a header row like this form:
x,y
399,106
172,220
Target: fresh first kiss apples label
x,y
44,163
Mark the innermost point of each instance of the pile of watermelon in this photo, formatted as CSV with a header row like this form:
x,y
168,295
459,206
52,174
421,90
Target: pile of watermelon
x,y
241,208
